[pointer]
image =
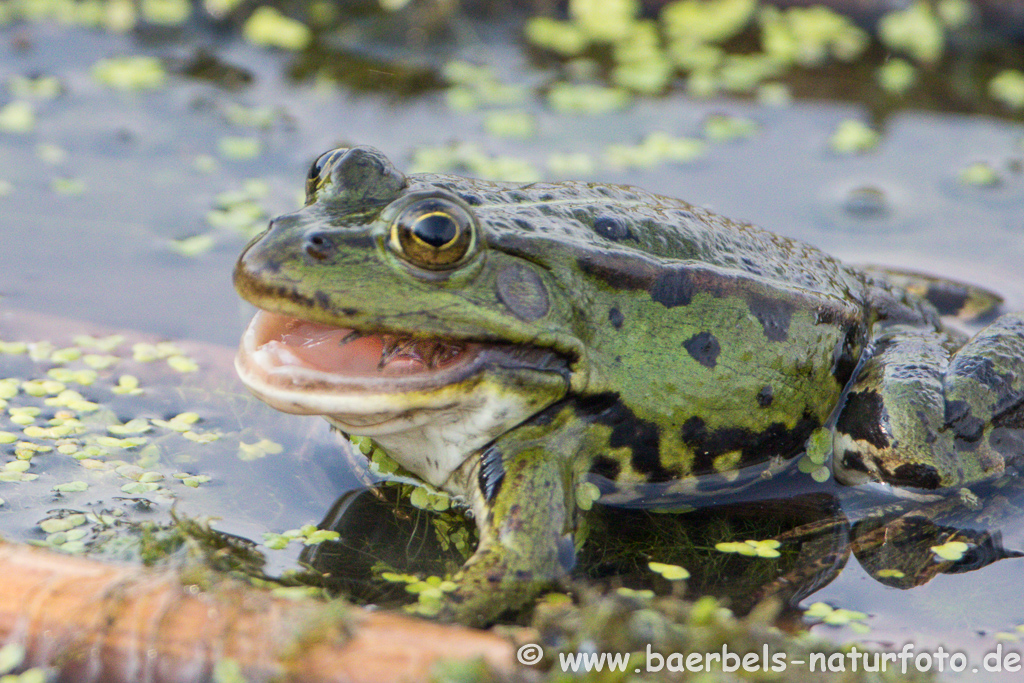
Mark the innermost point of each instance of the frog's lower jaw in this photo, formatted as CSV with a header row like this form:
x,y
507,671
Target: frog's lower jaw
x,y
428,417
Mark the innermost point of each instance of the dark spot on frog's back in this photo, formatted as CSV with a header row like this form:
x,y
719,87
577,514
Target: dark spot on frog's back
x,y
673,288
704,348
765,396
966,426
774,315
617,271
615,317
523,292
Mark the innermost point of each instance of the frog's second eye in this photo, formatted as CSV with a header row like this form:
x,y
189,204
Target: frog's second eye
x,y
320,172
432,233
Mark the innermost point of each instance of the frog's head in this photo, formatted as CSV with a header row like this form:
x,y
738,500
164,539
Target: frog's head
x,y
381,302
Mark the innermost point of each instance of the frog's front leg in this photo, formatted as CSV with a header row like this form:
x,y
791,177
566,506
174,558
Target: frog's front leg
x,y
923,414
525,514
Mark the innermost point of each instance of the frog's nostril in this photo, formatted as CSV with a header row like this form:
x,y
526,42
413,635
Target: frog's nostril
x,y
319,246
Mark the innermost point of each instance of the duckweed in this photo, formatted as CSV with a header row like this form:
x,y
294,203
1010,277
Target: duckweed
x,y
658,147
192,246
71,487
560,37
568,98
889,574
17,117
204,437
853,137
570,164
40,87
808,36
824,613
896,76
130,73
586,494
239,148
320,536
915,31
471,158
57,524
952,551
1007,87
671,572
127,384
979,174
268,27
725,128
510,124
108,343
427,499
260,449
136,426
68,186
166,12
698,21
96,362
51,154
604,20
751,548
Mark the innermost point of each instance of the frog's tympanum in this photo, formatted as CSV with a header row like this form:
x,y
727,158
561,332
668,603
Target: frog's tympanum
x,y
514,344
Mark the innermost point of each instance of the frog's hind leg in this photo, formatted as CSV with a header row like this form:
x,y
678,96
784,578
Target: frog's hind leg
x,y
922,414
955,301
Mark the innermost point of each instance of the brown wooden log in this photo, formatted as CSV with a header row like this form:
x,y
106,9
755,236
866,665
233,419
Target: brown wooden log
x,y
101,622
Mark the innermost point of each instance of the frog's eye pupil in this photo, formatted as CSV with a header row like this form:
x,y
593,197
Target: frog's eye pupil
x,y
436,229
435,233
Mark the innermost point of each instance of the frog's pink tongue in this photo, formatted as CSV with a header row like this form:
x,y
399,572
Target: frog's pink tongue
x,y
337,350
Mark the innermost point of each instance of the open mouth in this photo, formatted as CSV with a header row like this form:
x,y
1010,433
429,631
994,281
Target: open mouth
x,y
284,350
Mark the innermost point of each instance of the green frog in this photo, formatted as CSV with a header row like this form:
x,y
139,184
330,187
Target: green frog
x,y
530,347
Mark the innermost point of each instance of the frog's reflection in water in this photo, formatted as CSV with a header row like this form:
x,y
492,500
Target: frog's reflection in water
x,y
744,551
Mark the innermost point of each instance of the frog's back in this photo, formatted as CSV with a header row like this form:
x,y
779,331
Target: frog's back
x,y
628,221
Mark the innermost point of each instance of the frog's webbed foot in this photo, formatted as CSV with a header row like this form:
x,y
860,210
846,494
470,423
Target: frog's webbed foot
x,y
922,414
495,582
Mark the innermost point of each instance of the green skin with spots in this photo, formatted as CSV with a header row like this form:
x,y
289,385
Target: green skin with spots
x,y
671,345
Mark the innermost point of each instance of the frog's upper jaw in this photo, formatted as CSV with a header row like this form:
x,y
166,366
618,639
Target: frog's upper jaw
x,y
430,404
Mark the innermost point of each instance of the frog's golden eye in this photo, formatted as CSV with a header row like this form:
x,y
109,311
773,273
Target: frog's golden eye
x,y
432,233
320,172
